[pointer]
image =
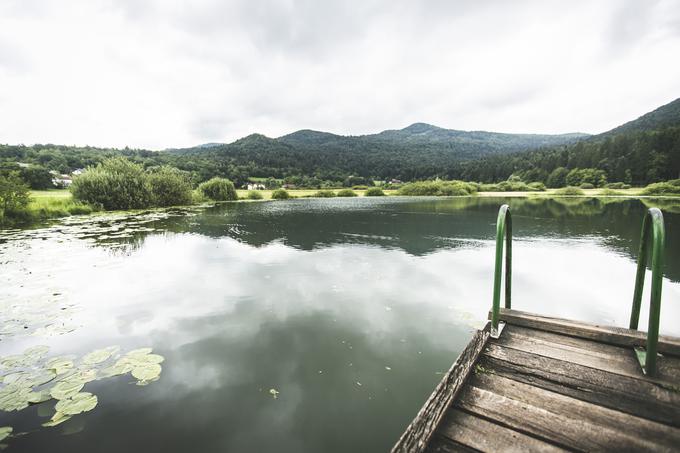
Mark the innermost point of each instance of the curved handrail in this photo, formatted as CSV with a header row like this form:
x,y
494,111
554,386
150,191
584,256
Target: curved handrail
x,y
503,231
653,217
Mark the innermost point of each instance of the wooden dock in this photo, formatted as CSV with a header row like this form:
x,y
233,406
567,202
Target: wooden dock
x,y
549,384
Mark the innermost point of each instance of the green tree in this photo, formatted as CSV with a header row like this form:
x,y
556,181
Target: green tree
x,y
557,178
219,189
14,196
170,187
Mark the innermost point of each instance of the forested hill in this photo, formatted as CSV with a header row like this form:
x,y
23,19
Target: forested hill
x,y
639,152
417,151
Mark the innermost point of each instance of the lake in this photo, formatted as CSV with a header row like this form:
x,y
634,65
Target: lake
x,y
305,325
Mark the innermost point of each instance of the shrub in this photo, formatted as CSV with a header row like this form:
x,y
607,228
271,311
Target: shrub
x,y
570,191
346,193
617,185
254,195
170,187
374,192
536,186
325,194
578,176
587,185
663,188
280,194
218,189
558,178
115,183
608,192
438,188
14,196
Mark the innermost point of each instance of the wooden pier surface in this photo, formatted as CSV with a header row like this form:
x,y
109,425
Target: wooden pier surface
x,y
550,384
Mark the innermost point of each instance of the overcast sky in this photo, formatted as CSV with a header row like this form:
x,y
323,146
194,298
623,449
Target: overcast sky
x,y
170,73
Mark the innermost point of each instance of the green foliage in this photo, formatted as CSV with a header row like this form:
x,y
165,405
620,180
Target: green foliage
x,y
170,187
346,193
116,183
37,177
324,194
254,195
557,178
438,188
671,187
608,192
14,196
219,189
569,191
374,192
617,185
280,194
537,186
592,176
586,185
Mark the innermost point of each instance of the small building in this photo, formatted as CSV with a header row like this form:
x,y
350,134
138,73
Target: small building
x,y
77,172
62,181
255,186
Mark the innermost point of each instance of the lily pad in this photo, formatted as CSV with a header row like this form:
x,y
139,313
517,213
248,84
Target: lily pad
x,y
100,355
14,398
140,351
57,419
274,393
66,389
147,371
5,431
39,397
81,402
60,365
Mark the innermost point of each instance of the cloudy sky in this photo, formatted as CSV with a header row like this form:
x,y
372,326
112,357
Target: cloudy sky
x,y
169,73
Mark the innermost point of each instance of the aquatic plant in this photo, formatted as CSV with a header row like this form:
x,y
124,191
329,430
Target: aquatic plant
x,y
33,378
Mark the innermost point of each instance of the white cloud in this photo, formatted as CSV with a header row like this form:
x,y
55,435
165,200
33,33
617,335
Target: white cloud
x,y
176,73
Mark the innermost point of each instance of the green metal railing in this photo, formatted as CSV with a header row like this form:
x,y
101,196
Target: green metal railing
x,y
652,224
503,234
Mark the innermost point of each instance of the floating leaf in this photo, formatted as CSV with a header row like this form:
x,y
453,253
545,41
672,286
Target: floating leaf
x,y
81,402
57,419
140,351
86,375
5,431
60,365
274,393
66,389
12,361
154,358
39,397
147,371
100,355
36,352
14,398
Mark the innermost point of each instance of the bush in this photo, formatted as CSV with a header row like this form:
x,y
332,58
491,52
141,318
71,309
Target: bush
x,y
115,183
325,194
14,196
608,192
570,191
438,188
558,178
578,176
374,192
218,189
671,187
170,187
280,194
254,195
346,193
617,185
587,185
536,186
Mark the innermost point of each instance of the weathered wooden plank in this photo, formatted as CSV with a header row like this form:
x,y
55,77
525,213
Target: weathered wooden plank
x,y
633,396
606,334
418,433
563,420
615,359
482,435
442,444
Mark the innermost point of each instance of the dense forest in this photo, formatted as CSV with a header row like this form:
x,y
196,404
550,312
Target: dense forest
x,y
639,152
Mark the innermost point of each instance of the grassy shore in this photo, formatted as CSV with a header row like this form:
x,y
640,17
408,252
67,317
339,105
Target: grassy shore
x,y
47,204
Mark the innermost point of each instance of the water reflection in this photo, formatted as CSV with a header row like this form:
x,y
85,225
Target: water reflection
x,y
349,308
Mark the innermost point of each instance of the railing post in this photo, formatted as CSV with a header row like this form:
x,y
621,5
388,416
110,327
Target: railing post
x,y
503,232
652,224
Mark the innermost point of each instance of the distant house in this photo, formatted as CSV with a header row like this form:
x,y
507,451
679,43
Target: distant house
x,y
62,181
23,164
77,172
396,181
288,186
255,186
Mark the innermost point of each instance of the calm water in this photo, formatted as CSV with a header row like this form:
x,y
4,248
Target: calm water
x,y
350,308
